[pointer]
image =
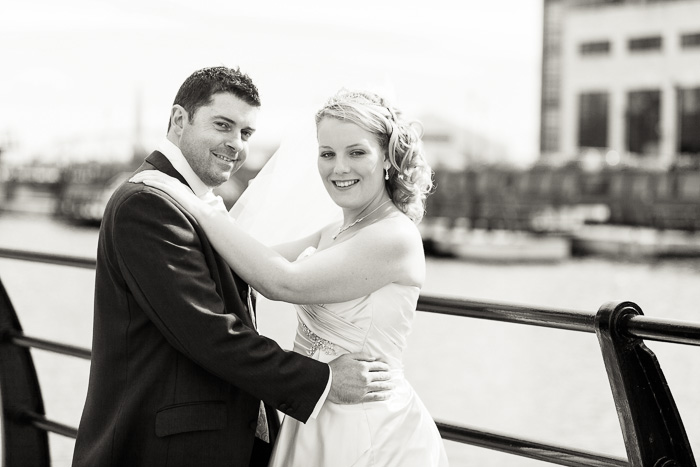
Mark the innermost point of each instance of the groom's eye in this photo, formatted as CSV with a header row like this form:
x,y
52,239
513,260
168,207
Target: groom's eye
x,y
222,125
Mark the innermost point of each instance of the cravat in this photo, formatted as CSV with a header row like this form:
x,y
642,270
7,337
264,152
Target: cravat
x,y
262,430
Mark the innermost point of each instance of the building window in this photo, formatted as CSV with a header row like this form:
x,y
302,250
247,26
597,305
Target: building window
x,y
643,121
689,121
595,48
593,120
690,40
549,136
645,44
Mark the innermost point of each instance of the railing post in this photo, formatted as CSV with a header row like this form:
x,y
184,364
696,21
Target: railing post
x,y
23,444
651,425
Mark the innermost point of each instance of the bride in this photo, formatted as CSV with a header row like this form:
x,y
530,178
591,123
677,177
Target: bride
x,y
355,282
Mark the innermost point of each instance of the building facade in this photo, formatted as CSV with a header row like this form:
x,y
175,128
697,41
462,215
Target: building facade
x,y
621,82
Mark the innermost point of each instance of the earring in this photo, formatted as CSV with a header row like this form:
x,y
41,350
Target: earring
x,y
386,173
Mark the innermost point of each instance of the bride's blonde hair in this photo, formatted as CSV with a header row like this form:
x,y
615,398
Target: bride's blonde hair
x,y
410,177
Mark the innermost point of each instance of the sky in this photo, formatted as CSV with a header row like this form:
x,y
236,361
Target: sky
x,y
78,76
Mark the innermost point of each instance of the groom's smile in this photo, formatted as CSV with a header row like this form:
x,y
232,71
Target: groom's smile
x,y
226,158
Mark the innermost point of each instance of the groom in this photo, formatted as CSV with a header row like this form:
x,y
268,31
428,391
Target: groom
x,y
178,370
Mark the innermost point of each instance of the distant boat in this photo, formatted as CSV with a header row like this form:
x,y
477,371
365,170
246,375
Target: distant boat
x,y
511,246
500,246
635,242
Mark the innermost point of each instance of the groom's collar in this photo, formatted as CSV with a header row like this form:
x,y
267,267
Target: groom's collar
x,y
180,164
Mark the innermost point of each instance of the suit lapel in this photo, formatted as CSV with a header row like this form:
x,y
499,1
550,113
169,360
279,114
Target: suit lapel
x,y
157,160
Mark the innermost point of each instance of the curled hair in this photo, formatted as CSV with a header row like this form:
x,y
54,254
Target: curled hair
x,y
199,88
410,176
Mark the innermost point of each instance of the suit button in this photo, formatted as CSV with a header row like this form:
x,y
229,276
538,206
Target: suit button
x,y
254,424
283,407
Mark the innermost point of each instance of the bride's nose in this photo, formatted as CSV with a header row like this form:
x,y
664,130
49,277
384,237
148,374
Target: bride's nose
x,y
341,166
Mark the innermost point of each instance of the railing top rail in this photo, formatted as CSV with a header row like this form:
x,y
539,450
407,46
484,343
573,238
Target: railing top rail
x,y
640,326
644,327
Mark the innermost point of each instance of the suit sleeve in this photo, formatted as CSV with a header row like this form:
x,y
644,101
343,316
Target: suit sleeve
x,y
162,260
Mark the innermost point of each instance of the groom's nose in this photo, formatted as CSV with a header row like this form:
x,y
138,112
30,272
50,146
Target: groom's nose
x,y
235,143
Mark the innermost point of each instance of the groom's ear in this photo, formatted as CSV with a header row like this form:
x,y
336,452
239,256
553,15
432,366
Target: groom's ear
x,y
178,114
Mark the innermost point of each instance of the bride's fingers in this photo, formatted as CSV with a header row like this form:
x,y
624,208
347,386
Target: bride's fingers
x,y
150,175
146,180
141,175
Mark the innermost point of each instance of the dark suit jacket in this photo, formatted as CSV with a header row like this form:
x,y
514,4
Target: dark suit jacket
x,y
177,371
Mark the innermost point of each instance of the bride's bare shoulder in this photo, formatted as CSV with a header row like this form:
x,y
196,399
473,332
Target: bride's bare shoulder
x,y
397,229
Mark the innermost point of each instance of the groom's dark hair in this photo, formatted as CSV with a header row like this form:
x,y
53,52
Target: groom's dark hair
x,y
200,86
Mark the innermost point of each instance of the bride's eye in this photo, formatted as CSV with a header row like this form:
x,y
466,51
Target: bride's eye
x,y
326,155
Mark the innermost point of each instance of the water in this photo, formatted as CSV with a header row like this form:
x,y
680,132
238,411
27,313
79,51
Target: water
x,y
534,382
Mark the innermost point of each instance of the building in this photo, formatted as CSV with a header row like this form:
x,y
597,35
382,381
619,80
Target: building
x,y
621,82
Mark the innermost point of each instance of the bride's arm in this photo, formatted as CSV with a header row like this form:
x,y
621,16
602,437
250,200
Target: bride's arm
x,y
351,269
371,259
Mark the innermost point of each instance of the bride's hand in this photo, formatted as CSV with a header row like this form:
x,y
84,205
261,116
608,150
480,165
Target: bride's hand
x,y
172,186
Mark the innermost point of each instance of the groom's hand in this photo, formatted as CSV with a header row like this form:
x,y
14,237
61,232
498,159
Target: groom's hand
x,y
358,377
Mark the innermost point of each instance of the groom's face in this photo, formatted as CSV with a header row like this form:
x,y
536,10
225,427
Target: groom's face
x,y
215,139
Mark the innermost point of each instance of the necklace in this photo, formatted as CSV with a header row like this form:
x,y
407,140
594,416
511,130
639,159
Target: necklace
x,y
360,219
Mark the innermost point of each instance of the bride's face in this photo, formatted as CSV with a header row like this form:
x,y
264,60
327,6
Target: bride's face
x,y
351,164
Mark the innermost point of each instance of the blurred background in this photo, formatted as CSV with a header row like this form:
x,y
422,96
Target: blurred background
x,y
564,136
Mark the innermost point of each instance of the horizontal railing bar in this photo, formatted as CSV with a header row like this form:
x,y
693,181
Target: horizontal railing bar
x,y
560,319
663,330
490,440
51,426
63,260
56,347
643,327
527,448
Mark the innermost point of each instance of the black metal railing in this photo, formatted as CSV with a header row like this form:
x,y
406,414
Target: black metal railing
x,y
651,426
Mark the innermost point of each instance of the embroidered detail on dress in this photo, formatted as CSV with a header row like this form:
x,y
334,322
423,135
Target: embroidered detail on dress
x,y
318,343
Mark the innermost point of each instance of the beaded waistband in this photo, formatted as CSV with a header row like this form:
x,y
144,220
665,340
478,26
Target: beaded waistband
x,y
318,343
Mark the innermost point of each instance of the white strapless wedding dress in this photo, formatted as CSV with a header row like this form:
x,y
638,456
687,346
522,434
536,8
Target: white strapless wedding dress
x,y
398,432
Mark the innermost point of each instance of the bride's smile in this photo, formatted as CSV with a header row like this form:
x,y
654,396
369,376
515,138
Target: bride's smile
x,y
345,183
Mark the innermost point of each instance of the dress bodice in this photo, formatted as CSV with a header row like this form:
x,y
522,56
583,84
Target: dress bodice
x,y
378,324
